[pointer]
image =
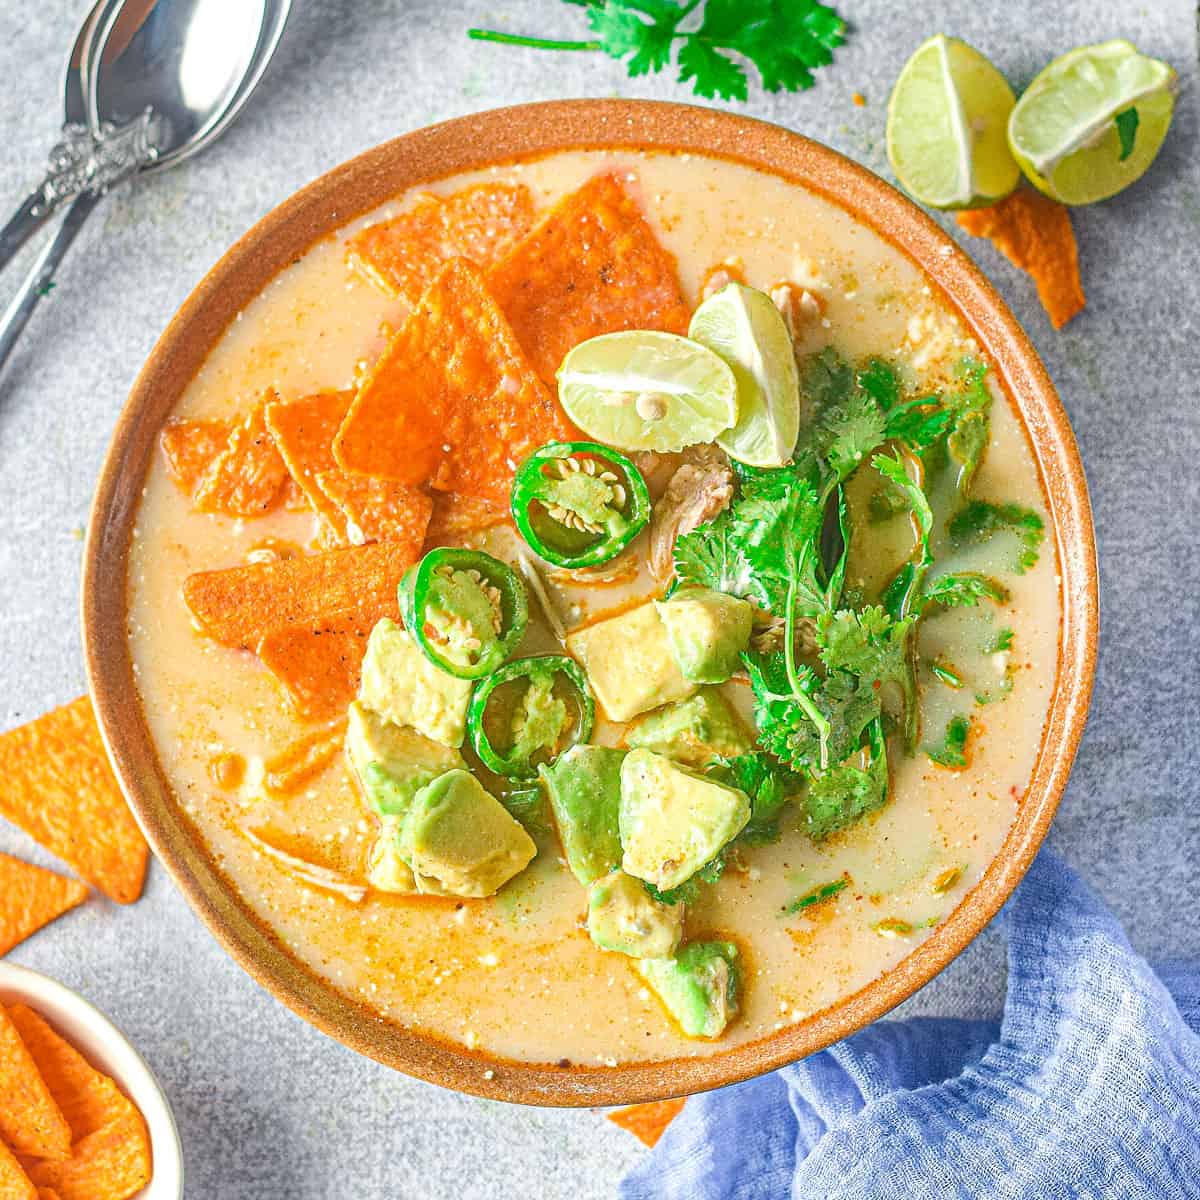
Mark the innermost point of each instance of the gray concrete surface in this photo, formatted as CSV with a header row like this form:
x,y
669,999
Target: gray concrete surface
x,y
267,1106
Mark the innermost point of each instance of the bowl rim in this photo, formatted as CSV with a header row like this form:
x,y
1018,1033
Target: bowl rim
x,y
95,1036
503,136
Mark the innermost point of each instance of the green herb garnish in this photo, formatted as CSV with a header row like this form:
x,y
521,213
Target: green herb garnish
x,y
823,891
1127,127
786,40
824,704
979,520
769,786
952,751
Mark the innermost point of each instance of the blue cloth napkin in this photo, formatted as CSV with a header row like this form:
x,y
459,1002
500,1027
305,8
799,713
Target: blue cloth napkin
x,y
1088,1087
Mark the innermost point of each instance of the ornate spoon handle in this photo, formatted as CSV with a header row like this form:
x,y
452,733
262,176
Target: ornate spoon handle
x,y
41,275
82,169
67,174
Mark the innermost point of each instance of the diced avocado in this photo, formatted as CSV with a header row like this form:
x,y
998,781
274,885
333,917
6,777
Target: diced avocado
x,y
386,869
692,731
629,663
585,793
624,917
707,632
674,820
404,687
391,762
461,841
699,986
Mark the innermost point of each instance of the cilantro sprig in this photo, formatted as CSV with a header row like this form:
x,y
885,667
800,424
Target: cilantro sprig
x,y
712,41
846,676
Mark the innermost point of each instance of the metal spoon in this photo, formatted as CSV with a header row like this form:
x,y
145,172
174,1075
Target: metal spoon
x,y
160,80
41,203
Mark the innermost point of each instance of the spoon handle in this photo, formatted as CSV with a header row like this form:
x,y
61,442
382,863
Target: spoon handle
x,y
41,275
22,225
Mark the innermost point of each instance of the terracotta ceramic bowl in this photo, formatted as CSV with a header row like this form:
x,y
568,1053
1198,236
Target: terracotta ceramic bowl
x,y
362,185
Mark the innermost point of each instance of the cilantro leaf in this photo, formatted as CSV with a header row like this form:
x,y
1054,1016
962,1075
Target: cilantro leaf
x,y
901,595
712,557
952,752
826,378
817,895
785,40
769,786
838,798
845,704
980,520
1126,122
712,74
849,431
963,589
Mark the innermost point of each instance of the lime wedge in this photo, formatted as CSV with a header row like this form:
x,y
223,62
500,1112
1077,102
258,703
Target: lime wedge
x,y
745,328
1093,121
946,127
642,390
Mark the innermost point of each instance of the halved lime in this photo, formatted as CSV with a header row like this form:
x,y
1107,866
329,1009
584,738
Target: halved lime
x,y
1093,121
946,127
745,328
642,390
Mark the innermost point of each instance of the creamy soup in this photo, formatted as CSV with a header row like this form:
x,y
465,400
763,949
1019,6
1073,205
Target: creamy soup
x,y
516,975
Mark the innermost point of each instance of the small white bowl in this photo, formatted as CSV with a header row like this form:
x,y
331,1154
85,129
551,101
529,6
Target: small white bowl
x,y
103,1045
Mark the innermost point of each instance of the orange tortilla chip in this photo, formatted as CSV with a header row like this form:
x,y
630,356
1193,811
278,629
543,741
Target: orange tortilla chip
x,y
648,1122
378,510
247,476
318,665
59,788
87,1098
190,446
404,255
239,606
113,1163
47,1194
31,897
593,266
304,430
1034,233
453,401
455,516
294,766
14,1183
30,1121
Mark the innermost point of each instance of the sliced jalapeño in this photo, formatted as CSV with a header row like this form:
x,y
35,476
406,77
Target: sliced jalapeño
x,y
579,504
465,609
521,715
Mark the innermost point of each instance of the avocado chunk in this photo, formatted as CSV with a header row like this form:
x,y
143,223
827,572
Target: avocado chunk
x,y
629,663
584,785
624,917
692,731
699,986
404,687
386,869
674,820
391,762
461,841
707,632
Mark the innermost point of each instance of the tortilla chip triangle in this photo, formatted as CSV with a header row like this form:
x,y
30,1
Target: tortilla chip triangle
x,y
56,784
453,402
31,897
30,1120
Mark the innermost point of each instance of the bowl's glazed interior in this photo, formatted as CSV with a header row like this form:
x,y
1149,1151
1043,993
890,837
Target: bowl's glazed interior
x,y
362,185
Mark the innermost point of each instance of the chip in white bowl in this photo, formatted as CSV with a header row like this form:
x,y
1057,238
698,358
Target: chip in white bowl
x,y
107,1049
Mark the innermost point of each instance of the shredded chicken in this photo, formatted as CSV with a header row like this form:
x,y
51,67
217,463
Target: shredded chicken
x,y
701,487
798,306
